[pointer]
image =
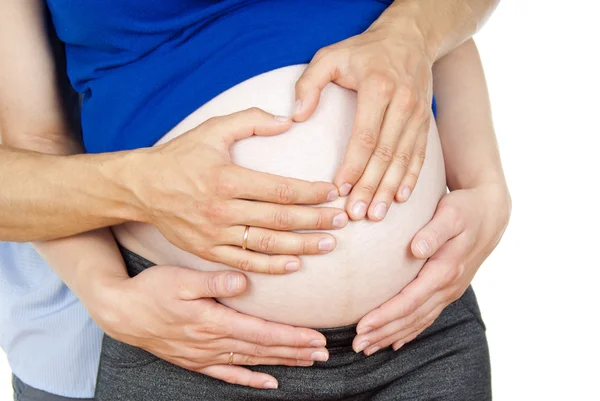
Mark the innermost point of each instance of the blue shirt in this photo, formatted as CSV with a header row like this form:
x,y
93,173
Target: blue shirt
x,y
48,336
143,66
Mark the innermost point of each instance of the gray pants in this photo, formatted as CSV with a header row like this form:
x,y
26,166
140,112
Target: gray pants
x,y
24,392
448,361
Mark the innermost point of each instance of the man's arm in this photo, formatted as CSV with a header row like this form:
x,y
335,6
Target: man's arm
x,y
45,197
389,65
444,24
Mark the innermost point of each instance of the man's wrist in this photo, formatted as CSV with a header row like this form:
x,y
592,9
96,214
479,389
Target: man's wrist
x,y
117,175
410,18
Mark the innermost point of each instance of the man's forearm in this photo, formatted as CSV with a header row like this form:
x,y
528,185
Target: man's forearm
x,y
45,197
464,120
445,24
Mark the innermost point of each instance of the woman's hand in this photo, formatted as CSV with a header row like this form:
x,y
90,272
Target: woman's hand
x,y
389,67
169,312
202,202
465,229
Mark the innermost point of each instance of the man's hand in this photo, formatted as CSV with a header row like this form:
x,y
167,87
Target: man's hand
x,y
389,67
464,230
169,312
201,202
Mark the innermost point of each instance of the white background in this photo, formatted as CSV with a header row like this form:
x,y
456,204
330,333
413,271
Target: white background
x,y
538,291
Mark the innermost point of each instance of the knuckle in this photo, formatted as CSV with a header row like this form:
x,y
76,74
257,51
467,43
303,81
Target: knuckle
x,y
402,158
267,243
367,139
320,220
411,304
354,172
244,264
282,219
264,337
230,378
420,156
386,85
212,285
406,97
450,211
367,187
259,350
306,247
285,193
383,153
255,112
321,53
388,191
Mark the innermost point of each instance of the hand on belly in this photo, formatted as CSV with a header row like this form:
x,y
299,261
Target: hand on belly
x,y
371,262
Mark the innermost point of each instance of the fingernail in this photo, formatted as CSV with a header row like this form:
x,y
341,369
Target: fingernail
x,y
345,189
423,247
317,343
292,267
397,347
379,211
364,330
406,194
362,346
298,106
326,244
270,384
359,210
332,195
340,220
373,350
233,282
319,356
304,363
282,119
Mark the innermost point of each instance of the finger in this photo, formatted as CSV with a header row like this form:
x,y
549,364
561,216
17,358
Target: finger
x,y
242,376
409,181
250,261
261,332
388,187
242,183
372,101
321,71
286,217
281,242
251,360
244,124
382,157
411,298
410,333
363,342
192,284
293,353
445,225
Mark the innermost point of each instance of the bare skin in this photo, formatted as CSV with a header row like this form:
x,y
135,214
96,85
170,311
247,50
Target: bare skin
x,y
43,132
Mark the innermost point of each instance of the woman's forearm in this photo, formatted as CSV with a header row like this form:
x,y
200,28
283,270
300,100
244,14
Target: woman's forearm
x,y
464,120
444,24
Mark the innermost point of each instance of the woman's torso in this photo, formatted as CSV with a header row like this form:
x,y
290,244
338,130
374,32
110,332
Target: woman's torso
x,y
372,261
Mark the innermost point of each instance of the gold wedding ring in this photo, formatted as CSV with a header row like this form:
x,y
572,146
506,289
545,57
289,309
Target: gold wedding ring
x,y
230,358
245,240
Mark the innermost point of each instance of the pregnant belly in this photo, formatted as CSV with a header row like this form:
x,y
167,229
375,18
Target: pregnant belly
x,y
372,261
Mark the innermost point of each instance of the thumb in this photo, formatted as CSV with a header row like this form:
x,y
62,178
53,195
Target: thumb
x,y
309,86
442,228
193,284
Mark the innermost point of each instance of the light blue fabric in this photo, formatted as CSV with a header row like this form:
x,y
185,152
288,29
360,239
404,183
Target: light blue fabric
x,y
51,342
